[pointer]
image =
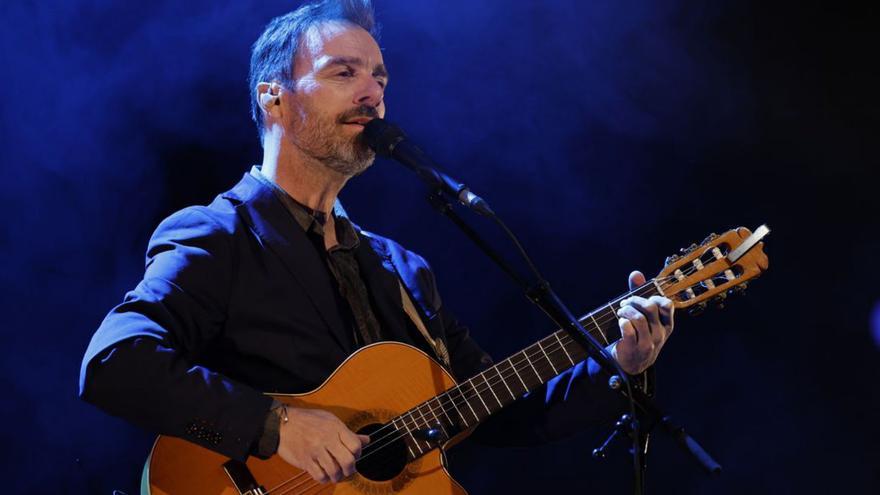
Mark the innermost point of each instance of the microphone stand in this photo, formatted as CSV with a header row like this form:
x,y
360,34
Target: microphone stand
x,y
540,293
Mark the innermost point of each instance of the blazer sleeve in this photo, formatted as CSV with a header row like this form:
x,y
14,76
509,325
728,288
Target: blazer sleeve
x,y
140,363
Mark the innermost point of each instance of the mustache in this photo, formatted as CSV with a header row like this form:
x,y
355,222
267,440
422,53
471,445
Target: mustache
x,y
360,111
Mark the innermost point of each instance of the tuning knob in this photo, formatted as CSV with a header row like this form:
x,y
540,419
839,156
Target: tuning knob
x,y
697,309
688,249
672,259
739,289
711,237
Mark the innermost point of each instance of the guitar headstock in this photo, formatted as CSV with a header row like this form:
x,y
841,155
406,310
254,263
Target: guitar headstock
x,y
720,265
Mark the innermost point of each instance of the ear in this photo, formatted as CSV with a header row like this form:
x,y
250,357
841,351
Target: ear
x,y
269,96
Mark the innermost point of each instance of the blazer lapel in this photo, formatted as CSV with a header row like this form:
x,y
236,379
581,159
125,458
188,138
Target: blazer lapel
x,y
385,280
266,216
380,276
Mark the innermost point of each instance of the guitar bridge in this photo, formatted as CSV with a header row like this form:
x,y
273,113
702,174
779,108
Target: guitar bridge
x,y
242,478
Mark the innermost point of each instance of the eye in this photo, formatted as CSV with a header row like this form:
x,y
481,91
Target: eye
x,y
382,83
346,73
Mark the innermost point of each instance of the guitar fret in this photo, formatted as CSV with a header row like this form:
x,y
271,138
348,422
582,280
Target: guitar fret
x,y
524,353
408,432
483,374
428,421
474,388
408,448
516,372
454,405
437,419
423,420
558,339
541,346
468,402
417,427
497,370
443,410
604,338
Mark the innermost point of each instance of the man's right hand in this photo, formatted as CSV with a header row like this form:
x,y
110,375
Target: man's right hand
x,y
318,442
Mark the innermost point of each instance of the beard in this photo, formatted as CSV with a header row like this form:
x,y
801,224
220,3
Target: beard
x,y
318,135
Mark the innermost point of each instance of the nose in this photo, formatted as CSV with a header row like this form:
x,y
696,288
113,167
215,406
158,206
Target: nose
x,y
369,93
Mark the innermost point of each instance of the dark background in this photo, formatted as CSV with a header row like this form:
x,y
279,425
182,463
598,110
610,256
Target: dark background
x,y
607,133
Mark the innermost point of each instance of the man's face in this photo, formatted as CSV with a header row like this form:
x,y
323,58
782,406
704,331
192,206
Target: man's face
x,y
339,84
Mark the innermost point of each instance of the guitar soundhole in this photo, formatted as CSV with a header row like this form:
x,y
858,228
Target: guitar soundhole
x,y
385,457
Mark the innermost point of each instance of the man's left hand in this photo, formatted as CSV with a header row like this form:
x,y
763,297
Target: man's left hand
x,y
645,324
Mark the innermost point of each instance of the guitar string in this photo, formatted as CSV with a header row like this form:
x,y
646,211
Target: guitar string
x,y
662,281
478,390
444,409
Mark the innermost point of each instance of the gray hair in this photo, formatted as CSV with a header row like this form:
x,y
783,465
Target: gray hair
x,y
273,53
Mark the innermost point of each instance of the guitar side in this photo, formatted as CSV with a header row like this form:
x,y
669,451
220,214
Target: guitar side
x,y
374,385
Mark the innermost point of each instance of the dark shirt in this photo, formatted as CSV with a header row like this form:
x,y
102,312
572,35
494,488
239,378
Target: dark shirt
x,y
340,259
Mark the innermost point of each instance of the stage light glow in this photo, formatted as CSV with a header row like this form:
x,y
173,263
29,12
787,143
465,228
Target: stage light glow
x,y
875,324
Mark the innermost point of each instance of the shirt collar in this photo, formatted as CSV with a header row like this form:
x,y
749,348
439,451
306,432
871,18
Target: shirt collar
x,y
313,220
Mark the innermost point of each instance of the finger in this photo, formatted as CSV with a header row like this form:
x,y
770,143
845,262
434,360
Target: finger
x,y
667,312
648,308
644,345
657,309
352,443
628,336
627,347
365,439
329,465
317,474
638,320
344,459
636,279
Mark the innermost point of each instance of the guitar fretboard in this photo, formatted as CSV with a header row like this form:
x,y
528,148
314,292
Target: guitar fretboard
x,y
475,399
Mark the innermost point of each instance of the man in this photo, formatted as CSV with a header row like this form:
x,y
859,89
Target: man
x,y
270,287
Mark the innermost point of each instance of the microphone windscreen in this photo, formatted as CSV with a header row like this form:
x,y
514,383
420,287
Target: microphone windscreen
x,y
382,136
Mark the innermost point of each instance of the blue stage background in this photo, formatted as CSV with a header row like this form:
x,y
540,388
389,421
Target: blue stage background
x,y
607,133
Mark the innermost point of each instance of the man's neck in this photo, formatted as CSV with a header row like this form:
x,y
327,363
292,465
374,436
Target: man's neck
x,y
305,179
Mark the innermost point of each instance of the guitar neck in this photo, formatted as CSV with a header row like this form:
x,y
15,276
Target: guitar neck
x,y
475,399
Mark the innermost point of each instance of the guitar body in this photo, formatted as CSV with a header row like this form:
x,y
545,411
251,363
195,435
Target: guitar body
x,y
374,385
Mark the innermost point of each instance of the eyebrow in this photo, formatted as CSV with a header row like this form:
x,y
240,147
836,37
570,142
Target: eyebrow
x,y
378,70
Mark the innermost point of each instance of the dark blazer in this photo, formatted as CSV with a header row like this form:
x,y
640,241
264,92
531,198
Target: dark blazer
x,y
236,301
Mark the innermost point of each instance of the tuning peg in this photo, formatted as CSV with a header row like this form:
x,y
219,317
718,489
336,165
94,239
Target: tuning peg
x,y
711,237
672,259
688,249
697,309
739,289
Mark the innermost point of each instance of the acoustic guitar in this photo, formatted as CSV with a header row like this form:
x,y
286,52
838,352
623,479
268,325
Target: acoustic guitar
x,y
414,410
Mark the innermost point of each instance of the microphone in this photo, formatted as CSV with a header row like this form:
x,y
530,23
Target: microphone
x,y
390,141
